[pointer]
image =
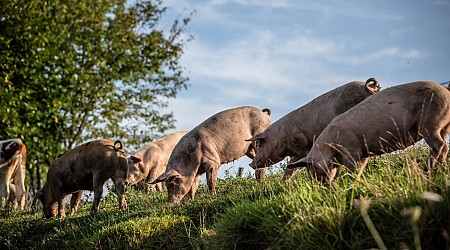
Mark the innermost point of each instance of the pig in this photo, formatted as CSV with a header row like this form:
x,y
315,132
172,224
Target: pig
x,y
217,140
85,167
150,160
388,121
293,134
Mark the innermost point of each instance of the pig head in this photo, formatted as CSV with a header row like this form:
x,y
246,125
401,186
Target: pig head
x,y
150,160
293,134
217,140
388,121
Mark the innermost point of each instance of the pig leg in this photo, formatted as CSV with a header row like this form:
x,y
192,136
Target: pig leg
x,y
74,201
288,173
159,186
328,174
260,173
193,190
324,174
360,164
332,173
438,148
119,184
211,176
98,191
444,153
61,200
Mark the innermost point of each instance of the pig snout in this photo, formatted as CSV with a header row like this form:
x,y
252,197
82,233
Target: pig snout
x,y
253,165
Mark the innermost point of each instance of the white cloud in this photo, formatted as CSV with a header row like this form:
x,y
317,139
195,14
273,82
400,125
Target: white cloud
x,y
384,54
444,3
261,3
306,46
249,60
190,111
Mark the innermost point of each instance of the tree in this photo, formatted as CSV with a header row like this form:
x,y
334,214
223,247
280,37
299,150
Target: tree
x,y
78,70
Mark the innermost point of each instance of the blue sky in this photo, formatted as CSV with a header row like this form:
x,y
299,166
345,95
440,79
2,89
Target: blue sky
x,y
281,54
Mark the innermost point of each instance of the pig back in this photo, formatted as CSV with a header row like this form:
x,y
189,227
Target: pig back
x,y
314,116
76,168
395,114
223,134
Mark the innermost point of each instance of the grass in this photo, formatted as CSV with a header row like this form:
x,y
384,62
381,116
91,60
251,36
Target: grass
x,y
394,204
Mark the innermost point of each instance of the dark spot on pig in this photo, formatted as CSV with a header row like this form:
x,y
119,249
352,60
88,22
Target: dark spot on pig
x,y
390,102
72,167
196,136
191,148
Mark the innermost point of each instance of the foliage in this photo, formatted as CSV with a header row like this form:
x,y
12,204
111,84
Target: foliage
x,y
407,207
78,70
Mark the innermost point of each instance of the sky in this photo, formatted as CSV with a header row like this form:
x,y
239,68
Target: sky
x,y
281,54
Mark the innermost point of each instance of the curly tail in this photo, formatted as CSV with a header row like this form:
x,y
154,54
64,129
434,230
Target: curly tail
x,y
122,160
268,111
118,145
372,89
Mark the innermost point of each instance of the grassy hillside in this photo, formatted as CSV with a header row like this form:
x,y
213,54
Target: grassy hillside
x,y
394,205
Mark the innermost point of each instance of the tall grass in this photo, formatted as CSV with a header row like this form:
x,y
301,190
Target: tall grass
x,y
393,204
311,215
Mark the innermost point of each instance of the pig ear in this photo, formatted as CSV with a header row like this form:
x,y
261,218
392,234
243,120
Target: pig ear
x,y
372,85
260,136
166,176
303,162
135,158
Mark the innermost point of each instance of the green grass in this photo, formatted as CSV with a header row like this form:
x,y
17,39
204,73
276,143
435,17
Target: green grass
x,y
392,204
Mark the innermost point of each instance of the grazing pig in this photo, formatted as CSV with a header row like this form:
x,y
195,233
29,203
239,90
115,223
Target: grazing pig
x,y
390,120
219,139
85,167
150,160
293,134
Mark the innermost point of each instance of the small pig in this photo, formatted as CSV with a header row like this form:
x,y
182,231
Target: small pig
x,y
293,134
388,121
150,160
219,139
85,167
